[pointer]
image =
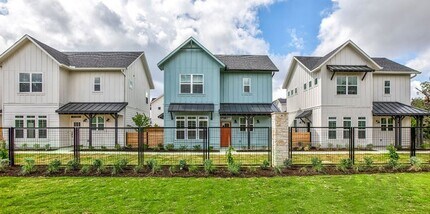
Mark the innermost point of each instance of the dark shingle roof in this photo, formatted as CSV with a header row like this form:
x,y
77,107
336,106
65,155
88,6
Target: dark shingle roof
x,y
396,109
247,62
92,108
247,108
91,59
311,62
191,107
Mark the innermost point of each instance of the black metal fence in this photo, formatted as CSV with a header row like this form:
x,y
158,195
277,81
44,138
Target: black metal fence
x,y
166,145
331,144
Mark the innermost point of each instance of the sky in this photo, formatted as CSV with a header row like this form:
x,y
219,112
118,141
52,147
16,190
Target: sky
x,y
396,29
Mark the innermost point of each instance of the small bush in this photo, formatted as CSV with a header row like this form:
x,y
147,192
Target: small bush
x,y
103,147
368,162
338,146
318,146
117,147
119,166
72,165
197,147
234,168
183,147
36,146
160,146
183,165
128,146
229,154
98,166
394,157
4,164
28,167
369,146
90,147
209,166
304,169
3,154
170,147
24,146
416,164
47,147
145,146
344,165
252,169
317,164
138,168
425,146
193,168
288,163
277,170
330,146
85,170
173,169
2,145
53,167
211,148
153,165
265,165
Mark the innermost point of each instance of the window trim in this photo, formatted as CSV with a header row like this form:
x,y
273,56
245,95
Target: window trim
x,y
192,84
346,85
387,126
361,128
387,87
345,129
316,81
100,84
30,82
197,129
97,123
248,126
37,129
243,85
332,129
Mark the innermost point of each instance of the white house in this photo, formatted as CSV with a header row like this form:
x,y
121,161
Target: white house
x,y
43,87
345,88
157,111
281,103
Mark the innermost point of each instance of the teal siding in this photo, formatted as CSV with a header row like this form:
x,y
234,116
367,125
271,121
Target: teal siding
x,y
232,87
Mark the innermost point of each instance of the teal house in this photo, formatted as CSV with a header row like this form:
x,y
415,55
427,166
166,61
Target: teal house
x,y
230,94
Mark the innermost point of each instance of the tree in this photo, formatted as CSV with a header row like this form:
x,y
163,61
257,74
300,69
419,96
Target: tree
x,y
141,120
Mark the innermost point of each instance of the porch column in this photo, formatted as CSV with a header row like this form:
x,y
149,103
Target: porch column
x,y
90,118
115,117
248,121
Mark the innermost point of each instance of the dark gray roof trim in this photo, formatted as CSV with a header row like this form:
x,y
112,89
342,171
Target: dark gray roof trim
x,y
92,108
191,107
247,109
304,114
350,68
247,63
396,109
312,62
91,59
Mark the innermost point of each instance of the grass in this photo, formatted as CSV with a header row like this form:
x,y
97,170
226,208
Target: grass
x,y
378,193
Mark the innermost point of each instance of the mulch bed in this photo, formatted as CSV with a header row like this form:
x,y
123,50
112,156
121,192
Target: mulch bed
x,y
220,172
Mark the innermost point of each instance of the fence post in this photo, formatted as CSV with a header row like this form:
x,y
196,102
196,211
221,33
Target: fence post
x,y
413,141
12,146
290,144
269,145
351,144
209,141
139,147
76,144
205,146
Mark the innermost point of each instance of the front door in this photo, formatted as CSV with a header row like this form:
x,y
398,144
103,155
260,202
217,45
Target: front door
x,y
225,134
75,123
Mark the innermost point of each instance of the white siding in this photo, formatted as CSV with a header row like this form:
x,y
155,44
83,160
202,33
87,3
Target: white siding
x,y
157,108
135,96
400,88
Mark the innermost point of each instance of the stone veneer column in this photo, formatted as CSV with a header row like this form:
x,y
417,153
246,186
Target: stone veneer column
x,y
279,138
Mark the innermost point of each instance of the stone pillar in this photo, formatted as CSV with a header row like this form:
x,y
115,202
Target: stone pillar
x,y
279,138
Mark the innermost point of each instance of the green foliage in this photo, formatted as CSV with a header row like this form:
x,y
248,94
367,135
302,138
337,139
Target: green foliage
x,y
394,157
317,164
193,168
416,164
4,164
117,147
369,146
160,146
98,165
3,152
170,147
145,146
344,165
265,165
29,166
2,145
72,165
153,165
85,170
234,168
288,163
54,167
425,146
36,146
47,147
277,170
183,165
138,168
141,120
229,154
103,147
197,147
368,162
183,147
209,166
252,169
24,146
330,146
90,147
173,169
119,166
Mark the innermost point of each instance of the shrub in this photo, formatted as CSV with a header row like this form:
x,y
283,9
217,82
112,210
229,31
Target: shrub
x,y
209,166
72,165
28,167
24,146
90,147
36,146
394,157
344,165
98,166
173,169
117,147
119,166
128,146
138,169
252,169
425,146
338,146
85,170
368,162
288,163
234,168
4,163
170,146
304,169
211,148
318,146
277,170
317,164
229,154
2,145
145,146
193,168
369,146
3,154
160,146
182,164
307,148
330,146
265,165
153,165
54,167
183,147
197,147
103,147
47,147
415,164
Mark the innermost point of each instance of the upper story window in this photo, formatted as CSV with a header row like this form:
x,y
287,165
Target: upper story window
x,y
316,81
130,83
387,87
191,83
146,97
295,91
304,86
246,85
97,84
346,85
30,82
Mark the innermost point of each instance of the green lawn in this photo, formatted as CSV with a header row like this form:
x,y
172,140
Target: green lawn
x,y
379,193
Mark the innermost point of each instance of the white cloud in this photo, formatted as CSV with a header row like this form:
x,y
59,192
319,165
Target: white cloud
x,y
155,26
296,41
415,86
283,63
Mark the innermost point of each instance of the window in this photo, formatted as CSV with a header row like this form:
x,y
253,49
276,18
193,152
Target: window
x,y
31,124
316,81
19,124
387,124
310,84
159,108
30,82
130,83
346,126
244,123
203,123
42,123
180,128
332,128
98,122
346,85
97,84
190,131
295,91
361,128
246,85
146,97
304,86
288,93
191,84
191,128
387,87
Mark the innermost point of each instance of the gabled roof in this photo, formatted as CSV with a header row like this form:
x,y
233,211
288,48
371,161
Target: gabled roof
x,y
281,100
247,63
192,41
155,99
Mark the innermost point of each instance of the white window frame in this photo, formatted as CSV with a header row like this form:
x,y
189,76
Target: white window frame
x,y
201,130
244,85
37,131
347,85
29,82
332,129
345,127
387,87
310,84
19,129
192,83
186,129
315,81
100,126
99,84
361,128
386,125
246,125
295,91
305,86
177,129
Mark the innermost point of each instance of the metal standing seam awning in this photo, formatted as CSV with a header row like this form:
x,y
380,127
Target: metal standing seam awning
x,y
247,109
304,114
191,107
350,68
396,109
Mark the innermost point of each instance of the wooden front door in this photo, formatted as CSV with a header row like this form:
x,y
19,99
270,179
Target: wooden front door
x,y
225,134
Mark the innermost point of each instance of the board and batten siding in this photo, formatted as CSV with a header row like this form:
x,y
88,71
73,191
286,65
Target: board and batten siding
x,y
136,94
399,89
232,87
30,59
